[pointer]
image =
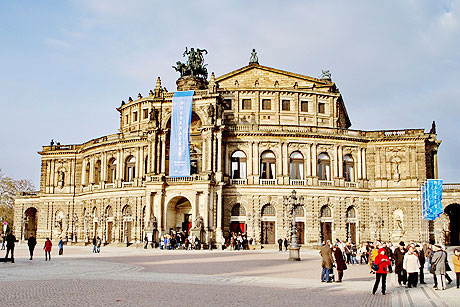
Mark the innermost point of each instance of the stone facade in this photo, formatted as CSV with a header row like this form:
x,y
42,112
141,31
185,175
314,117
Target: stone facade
x,y
257,134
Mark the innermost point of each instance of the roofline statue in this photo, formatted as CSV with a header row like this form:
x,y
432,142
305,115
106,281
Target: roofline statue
x,y
195,64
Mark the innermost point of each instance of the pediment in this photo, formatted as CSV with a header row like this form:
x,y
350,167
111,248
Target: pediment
x,y
254,76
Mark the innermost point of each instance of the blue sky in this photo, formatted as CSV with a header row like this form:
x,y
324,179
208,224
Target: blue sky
x,y
66,65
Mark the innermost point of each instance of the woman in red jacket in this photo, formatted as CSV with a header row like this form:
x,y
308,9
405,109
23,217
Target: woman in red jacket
x,y
383,262
47,249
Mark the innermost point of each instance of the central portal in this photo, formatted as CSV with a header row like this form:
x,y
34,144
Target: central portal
x,y
179,215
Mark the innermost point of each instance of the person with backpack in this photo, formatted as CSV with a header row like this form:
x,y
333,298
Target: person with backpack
x,y
382,262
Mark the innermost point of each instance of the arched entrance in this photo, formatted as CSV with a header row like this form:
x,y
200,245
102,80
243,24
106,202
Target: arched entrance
x,y
300,223
179,215
30,222
351,222
238,219
326,223
109,225
127,223
453,236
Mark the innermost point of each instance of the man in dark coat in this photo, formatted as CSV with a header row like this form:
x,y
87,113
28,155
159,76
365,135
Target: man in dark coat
x,y
389,254
286,244
31,242
326,254
399,259
280,244
10,239
340,262
421,259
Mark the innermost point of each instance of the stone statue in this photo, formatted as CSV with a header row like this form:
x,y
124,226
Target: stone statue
x,y
396,175
195,64
220,110
52,142
61,179
433,128
398,223
326,75
151,93
139,95
253,59
211,112
198,222
154,117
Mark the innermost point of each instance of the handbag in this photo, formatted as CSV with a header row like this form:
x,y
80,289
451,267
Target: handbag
x,y
374,266
433,269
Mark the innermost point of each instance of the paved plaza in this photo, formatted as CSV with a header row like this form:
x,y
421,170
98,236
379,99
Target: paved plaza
x,y
120,276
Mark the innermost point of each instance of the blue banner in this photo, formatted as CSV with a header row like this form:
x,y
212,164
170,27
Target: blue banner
x,y
179,149
432,199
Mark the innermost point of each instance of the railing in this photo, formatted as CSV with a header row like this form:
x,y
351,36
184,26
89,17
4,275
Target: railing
x,y
267,181
351,184
96,187
298,182
109,185
238,181
127,184
86,189
451,186
188,179
326,183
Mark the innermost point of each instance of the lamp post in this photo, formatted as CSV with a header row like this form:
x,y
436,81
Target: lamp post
x,y
294,248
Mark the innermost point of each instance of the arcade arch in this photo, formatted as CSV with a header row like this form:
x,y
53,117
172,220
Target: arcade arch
x,y
179,215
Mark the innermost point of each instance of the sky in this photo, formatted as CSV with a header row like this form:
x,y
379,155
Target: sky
x,y
66,65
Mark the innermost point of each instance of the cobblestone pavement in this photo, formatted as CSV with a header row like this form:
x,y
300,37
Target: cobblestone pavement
x,y
128,276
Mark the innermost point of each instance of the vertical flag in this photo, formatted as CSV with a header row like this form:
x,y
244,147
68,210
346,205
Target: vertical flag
x,y
179,150
432,199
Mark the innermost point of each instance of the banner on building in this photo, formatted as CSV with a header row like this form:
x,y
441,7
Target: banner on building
x,y
179,149
431,199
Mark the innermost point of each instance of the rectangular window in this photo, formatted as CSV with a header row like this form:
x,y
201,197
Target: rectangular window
x,y
126,119
135,116
146,113
266,104
286,105
304,106
246,105
321,107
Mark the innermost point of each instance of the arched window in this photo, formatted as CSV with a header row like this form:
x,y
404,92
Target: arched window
x,y
326,211
267,165
238,210
348,164
296,166
130,169
351,213
324,167
97,172
112,170
87,172
268,210
126,211
238,165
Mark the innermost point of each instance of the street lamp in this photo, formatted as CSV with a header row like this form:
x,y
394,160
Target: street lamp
x,y
294,248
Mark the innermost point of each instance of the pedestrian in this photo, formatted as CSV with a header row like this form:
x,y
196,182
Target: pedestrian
x,y
10,241
98,242
456,261
389,253
286,244
382,261
47,249
222,243
211,243
146,241
412,266
326,254
94,244
280,244
399,259
61,246
438,268
3,241
340,262
422,260
448,269
31,242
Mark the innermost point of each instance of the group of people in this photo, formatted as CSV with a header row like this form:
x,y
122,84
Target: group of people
x,y
97,242
236,241
11,240
179,240
282,242
408,262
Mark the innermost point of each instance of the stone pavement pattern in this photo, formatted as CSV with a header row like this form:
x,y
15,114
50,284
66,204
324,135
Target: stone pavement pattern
x,y
128,276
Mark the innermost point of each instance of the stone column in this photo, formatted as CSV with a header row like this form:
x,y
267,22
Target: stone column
x,y
314,158
340,161
255,161
336,162
141,162
435,165
219,151
364,164
103,167
308,160
203,153
163,153
359,164
219,216
285,171
91,170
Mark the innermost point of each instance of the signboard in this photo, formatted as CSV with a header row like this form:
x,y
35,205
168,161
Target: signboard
x,y
431,199
179,150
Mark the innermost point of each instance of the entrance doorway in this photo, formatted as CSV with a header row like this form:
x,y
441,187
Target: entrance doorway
x,y
326,231
30,222
179,215
268,232
109,232
300,232
453,212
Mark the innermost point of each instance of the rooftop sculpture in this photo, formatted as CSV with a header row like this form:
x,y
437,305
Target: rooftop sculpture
x,y
195,64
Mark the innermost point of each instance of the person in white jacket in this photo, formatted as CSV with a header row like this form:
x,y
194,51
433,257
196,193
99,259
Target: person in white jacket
x,y
412,265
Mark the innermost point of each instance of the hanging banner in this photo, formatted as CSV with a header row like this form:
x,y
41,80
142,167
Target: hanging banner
x,y
432,199
179,149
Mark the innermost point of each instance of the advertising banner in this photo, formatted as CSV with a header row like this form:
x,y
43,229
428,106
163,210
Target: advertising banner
x,y
179,150
432,199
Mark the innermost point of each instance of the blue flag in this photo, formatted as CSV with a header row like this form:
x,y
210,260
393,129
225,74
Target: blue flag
x,y
179,150
432,199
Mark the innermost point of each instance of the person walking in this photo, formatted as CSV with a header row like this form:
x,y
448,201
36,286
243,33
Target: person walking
x,y
456,261
31,242
280,244
47,249
94,244
340,262
411,265
286,244
98,242
61,246
382,261
3,241
326,254
399,259
10,241
422,260
146,241
438,268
